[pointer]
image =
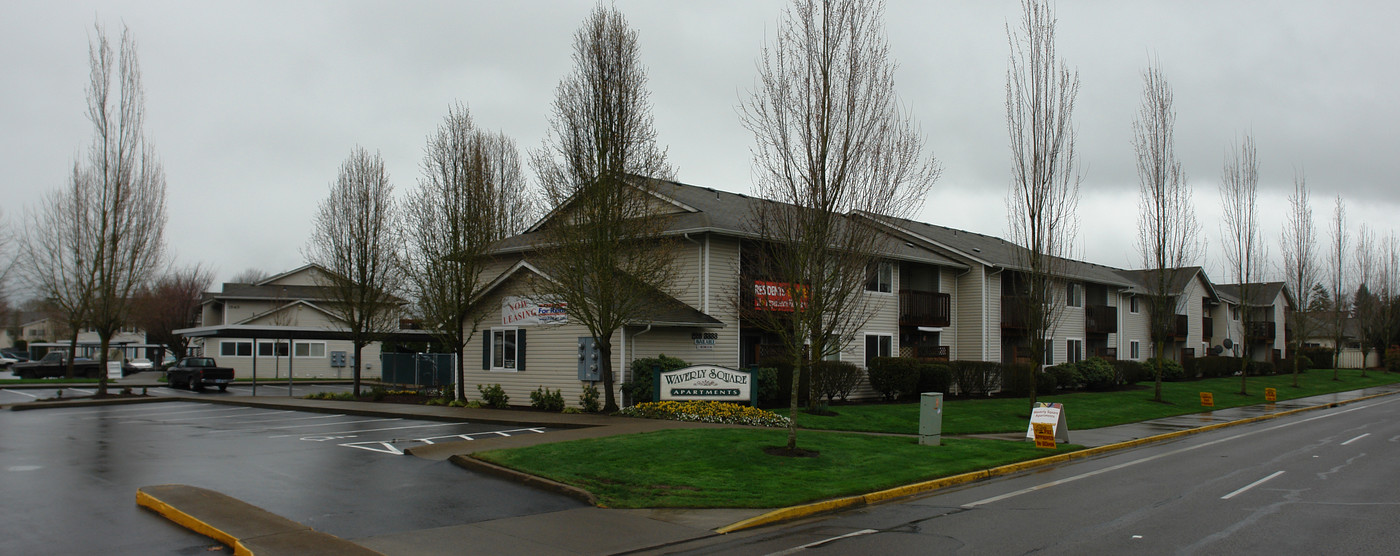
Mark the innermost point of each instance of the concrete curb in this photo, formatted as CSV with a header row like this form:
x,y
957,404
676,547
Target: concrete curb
x,y
806,510
248,529
57,404
471,463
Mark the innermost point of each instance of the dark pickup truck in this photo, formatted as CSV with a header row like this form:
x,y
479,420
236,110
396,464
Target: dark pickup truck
x,y
55,364
197,372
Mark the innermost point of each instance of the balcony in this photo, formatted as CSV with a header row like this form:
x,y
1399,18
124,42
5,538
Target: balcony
x,y
925,352
1207,329
1179,328
1013,311
1261,331
1101,319
918,308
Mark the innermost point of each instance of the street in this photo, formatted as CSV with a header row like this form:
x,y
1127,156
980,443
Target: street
x,y
1319,482
70,475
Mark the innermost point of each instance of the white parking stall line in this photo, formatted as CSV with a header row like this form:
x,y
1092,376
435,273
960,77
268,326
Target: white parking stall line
x,y
255,421
1355,439
186,419
88,392
19,392
379,429
388,447
163,414
1250,485
316,425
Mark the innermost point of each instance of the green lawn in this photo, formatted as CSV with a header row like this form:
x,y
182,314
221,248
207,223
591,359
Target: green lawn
x,y
727,468
1087,410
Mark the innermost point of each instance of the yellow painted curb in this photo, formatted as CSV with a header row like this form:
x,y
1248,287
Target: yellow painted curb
x,y
805,510
190,522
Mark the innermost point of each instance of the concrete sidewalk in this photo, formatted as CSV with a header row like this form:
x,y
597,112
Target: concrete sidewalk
x,y
604,531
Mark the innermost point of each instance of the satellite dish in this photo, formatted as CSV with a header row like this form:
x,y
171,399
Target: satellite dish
x,y
1216,350
1228,343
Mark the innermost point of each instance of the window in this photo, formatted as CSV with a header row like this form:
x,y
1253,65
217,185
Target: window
x,y
1133,304
1074,351
265,349
503,350
879,277
310,349
878,345
236,349
1235,312
1133,350
1074,295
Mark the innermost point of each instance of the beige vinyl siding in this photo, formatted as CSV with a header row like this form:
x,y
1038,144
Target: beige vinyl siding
x,y
968,318
498,265
306,277
296,315
272,368
678,343
723,284
947,281
687,280
1134,326
1070,325
992,326
1191,299
551,355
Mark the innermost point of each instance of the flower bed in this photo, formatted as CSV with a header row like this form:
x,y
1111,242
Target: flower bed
x,y
707,412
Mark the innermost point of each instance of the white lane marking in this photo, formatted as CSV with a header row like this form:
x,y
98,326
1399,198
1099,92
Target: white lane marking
x,y
20,393
384,447
1162,455
89,392
263,429
1355,439
379,429
187,419
374,445
163,414
797,549
1251,485
255,421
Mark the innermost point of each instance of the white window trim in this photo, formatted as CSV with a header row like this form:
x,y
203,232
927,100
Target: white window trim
x,y
879,266
1134,306
1070,290
1134,350
309,345
1068,355
258,350
894,349
494,345
222,343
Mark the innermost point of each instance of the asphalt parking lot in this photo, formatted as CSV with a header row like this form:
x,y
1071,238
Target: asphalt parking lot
x,y
70,475
29,393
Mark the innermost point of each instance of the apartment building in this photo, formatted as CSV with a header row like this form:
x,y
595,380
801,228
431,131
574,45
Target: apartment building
x,y
938,294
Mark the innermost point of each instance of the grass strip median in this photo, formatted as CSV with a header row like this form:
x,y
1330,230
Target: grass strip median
x,y
1088,410
728,468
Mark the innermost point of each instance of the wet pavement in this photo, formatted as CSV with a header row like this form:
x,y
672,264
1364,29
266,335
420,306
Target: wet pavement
x,y
70,474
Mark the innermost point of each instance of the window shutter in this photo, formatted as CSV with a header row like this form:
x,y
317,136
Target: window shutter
x,y
486,351
520,349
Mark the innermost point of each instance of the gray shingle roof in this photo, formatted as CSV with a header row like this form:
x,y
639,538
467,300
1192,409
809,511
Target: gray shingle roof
x,y
1262,294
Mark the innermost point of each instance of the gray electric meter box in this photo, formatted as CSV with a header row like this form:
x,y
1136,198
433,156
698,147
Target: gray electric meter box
x,y
930,418
588,360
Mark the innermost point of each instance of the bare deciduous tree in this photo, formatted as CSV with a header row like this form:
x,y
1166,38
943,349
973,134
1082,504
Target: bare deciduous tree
x,y
830,140
353,240
1365,303
1298,243
1244,250
250,275
1042,205
57,261
172,302
1339,240
604,243
1168,234
123,186
472,194
1389,278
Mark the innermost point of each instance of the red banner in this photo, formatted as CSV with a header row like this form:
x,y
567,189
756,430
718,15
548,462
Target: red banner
x,y
773,296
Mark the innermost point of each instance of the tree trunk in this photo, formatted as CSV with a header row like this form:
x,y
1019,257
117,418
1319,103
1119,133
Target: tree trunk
x,y
460,352
793,403
358,363
72,353
106,340
605,369
1158,347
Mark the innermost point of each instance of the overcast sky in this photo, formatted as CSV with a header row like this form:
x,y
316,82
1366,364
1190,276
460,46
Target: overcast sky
x,y
252,106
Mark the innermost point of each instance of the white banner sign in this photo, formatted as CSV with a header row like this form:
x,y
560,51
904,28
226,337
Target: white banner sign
x,y
525,311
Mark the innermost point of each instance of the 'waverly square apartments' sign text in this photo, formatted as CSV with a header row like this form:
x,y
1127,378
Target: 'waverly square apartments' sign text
x,y
704,382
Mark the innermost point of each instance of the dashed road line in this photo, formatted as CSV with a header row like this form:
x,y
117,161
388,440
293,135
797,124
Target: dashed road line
x,y
1251,485
1355,439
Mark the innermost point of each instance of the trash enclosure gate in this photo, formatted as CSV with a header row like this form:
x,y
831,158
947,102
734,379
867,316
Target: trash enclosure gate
x,y
420,370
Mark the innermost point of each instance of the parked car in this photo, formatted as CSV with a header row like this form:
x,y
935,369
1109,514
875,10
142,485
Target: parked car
x,y
55,364
16,354
197,372
6,361
138,365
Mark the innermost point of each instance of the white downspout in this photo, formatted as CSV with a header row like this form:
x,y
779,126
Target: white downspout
x,y
634,342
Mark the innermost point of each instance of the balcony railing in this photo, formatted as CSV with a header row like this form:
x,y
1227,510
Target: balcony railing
x,y
918,308
1013,311
1101,319
1261,331
938,353
1179,327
